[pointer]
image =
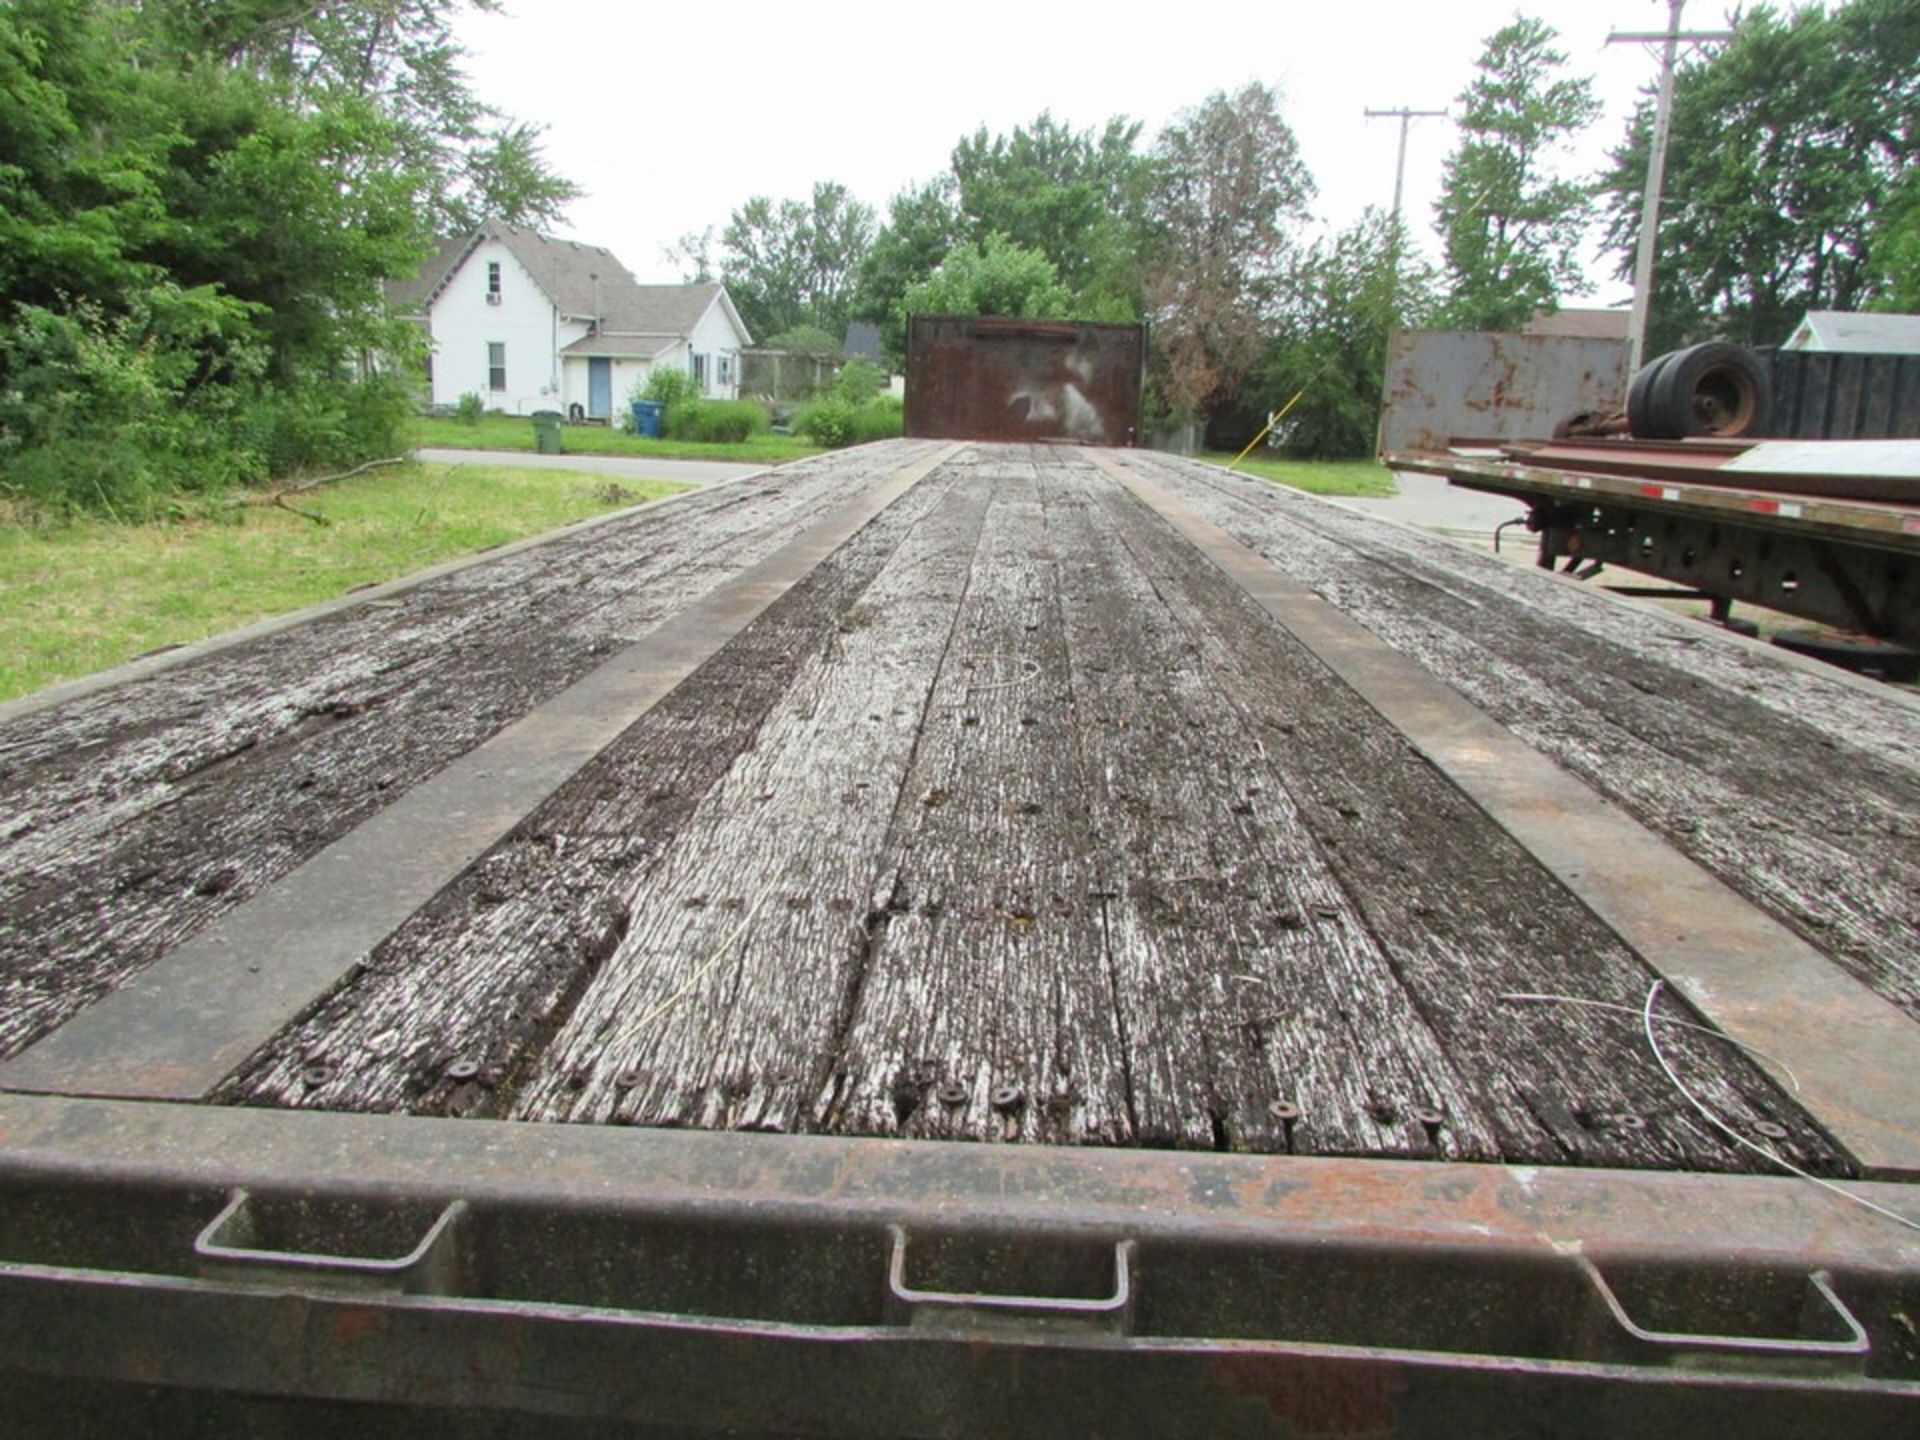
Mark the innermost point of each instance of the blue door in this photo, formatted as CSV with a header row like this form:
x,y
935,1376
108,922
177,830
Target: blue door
x,y
599,387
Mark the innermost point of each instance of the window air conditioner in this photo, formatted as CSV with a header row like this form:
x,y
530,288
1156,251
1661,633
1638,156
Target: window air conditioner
x,y
492,299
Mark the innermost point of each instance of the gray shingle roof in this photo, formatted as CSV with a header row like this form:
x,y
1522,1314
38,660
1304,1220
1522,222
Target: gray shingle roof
x,y
411,296
567,271
1882,333
627,347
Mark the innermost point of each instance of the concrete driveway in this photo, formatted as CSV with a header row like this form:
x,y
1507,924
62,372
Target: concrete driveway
x,y
625,467
1430,502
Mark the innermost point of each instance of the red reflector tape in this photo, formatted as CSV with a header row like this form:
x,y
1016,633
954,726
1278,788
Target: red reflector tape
x,y
1765,507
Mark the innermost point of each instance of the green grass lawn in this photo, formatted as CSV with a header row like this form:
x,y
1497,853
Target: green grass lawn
x,y
1319,477
82,596
516,433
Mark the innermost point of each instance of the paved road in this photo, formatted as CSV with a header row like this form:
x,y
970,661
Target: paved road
x,y
1429,502
1424,500
626,467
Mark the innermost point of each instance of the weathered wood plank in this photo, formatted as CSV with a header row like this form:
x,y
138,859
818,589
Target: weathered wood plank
x,y
455,1010
745,943
1467,916
1801,794
1246,977
986,1010
138,815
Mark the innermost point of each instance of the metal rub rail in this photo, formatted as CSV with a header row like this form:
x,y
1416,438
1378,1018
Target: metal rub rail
x,y
1840,549
755,1283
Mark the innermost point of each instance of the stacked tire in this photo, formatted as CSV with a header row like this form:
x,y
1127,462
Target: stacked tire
x,y
1714,389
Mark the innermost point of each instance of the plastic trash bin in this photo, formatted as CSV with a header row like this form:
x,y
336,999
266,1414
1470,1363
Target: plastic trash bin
x,y
646,418
546,432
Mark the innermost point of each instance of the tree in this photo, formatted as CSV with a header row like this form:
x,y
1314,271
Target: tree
x,y
794,262
994,278
1228,186
198,205
1510,230
1341,304
1789,180
503,175
401,57
1075,196
923,225
1894,268
693,253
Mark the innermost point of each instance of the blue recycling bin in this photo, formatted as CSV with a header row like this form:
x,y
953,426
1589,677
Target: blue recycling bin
x,y
646,418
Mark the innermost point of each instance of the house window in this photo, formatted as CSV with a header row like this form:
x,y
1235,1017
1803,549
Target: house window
x,y
496,365
726,371
493,282
700,370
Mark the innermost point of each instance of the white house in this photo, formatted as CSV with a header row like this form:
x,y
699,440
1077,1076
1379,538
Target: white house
x,y
1841,330
528,322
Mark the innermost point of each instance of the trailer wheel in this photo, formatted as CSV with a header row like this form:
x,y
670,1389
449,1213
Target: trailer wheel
x,y
1640,397
1711,389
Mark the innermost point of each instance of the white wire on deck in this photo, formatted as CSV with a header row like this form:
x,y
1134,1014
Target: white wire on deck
x,y
1541,998
1029,672
1647,1017
720,952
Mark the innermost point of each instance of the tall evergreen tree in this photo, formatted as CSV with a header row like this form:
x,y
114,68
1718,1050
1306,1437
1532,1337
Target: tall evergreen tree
x,y
1510,229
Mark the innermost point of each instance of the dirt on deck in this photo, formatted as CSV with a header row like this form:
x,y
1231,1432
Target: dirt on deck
x,y
1016,819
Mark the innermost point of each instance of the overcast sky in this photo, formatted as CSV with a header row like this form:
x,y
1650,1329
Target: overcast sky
x,y
672,115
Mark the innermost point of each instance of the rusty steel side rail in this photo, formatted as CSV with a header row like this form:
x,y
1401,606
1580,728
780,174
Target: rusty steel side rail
x,y
1879,523
1855,1055
1853,564
753,1282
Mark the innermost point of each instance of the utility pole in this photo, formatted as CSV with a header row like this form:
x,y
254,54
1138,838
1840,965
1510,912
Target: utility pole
x,y
1406,118
1669,41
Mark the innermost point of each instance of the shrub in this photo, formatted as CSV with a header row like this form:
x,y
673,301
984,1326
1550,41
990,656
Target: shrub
x,y
731,421
827,422
318,425
106,413
881,418
670,386
469,409
714,422
859,381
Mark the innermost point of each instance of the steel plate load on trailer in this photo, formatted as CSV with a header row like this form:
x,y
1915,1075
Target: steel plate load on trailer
x,y
964,939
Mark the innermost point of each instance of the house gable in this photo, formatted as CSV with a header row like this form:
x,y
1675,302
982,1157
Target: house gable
x,y
514,315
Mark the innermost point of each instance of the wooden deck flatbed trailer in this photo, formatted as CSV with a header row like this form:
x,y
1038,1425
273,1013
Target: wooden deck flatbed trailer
x,y
958,940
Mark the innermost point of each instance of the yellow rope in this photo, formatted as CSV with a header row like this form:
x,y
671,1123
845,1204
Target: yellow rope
x,y
1268,426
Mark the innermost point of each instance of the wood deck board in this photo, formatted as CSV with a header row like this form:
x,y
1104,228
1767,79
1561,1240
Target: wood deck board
x,y
491,970
138,815
723,1000
1244,972
1016,791
1803,797
989,974
1464,915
